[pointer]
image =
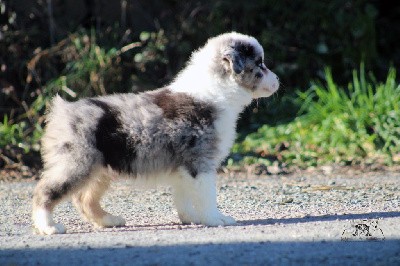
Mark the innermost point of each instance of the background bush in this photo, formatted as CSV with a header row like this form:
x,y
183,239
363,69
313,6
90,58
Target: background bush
x,y
358,124
83,48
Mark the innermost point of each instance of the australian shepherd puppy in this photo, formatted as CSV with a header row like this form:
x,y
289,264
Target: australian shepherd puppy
x,y
177,136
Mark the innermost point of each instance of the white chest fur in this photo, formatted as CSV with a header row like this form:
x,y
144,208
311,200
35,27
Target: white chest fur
x,y
225,126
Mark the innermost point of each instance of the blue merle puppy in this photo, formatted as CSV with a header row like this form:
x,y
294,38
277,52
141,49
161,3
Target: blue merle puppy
x,y
177,136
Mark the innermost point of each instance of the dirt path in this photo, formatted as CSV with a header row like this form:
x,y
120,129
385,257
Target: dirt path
x,y
284,219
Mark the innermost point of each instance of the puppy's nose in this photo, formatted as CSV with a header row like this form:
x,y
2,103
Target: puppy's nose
x,y
275,85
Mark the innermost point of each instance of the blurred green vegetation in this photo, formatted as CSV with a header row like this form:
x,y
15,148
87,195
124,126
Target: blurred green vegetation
x,y
353,125
85,48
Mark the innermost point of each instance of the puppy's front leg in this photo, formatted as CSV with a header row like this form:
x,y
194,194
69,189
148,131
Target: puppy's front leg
x,y
204,199
183,201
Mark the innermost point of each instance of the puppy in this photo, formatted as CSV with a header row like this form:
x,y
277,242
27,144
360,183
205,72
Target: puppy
x,y
177,136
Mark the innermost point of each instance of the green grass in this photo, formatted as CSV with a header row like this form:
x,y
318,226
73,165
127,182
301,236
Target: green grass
x,y
20,134
89,70
86,69
357,124
86,74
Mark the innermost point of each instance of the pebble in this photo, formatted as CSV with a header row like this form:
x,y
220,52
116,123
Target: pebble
x,y
246,198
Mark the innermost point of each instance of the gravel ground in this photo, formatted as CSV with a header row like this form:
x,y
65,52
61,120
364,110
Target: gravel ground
x,y
296,219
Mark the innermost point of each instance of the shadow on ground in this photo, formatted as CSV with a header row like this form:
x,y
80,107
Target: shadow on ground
x,y
307,219
261,253
271,221
322,218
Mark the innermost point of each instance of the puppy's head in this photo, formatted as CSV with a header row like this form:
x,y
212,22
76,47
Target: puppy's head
x,y
242,60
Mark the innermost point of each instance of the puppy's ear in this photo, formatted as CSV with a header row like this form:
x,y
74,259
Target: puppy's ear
x,y
235,59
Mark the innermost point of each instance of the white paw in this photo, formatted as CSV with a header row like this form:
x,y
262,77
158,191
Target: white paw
x,y
51,229
217,219
109,220
188,219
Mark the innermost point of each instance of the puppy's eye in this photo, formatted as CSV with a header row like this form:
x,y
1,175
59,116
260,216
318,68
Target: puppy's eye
x,y
260,64
259,75
262,67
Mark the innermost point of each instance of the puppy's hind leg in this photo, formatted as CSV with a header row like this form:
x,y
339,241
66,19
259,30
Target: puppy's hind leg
x,y
55,185
87,201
